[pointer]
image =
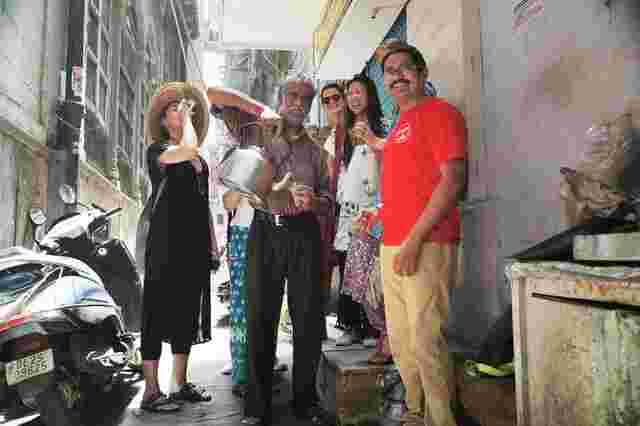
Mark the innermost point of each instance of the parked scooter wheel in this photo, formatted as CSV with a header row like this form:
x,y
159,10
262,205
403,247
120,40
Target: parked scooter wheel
x,y
55,409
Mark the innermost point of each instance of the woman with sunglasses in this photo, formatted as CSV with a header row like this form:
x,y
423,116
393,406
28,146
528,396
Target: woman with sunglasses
x,y
349,313
351,317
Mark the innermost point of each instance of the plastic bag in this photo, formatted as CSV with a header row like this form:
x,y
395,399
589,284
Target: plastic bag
x,y
189,136
609,153
595,187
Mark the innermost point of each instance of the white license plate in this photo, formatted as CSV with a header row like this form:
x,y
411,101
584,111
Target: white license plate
x,y
29,366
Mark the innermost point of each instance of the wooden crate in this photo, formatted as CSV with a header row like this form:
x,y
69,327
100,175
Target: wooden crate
x,y
348,386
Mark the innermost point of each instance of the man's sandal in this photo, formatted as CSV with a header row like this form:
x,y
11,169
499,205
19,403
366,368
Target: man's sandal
x,y
160,404
253,421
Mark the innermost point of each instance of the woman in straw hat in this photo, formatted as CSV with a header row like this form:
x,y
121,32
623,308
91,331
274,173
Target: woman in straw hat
x,y
181,250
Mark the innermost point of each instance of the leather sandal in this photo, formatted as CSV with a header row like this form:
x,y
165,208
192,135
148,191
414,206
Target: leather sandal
x,y
191,393
159,403
253,421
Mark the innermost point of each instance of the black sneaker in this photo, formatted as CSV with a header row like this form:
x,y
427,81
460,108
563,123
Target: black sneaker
x,y
239,390
191,393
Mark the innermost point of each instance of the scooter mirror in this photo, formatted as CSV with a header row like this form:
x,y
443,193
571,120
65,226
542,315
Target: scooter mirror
x,y
39,233
67,194
37,216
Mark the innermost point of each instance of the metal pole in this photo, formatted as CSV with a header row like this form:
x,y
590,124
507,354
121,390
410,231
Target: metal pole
x,y
184,50
73,109
175,19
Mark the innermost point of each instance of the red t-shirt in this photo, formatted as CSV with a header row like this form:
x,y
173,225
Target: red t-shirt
x,y
426,136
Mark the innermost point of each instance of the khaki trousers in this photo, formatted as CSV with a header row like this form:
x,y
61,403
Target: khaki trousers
x,y
417,309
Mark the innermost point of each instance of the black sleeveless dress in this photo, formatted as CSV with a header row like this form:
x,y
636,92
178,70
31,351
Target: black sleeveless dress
x,y
177,284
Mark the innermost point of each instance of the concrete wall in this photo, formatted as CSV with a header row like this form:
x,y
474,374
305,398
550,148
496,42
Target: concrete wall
x,y
7,192
529,94
436,29
30,57
22,58
574,64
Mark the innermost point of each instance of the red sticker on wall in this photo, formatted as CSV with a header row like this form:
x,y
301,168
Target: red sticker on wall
x,y
525,11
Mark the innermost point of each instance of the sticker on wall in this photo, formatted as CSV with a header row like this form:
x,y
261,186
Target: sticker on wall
x,y
524,12
77,81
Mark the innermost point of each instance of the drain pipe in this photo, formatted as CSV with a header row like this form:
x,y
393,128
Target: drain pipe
x,y
73,108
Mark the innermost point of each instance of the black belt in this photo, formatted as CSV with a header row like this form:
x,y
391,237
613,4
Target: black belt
x,y
279,220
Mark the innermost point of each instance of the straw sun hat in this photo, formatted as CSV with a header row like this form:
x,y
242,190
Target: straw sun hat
x,y
175,92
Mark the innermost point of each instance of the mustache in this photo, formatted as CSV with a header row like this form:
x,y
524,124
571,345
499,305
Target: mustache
x,y
401,81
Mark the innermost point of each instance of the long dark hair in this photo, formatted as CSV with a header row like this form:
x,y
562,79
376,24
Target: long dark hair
x,y
164,131
374,110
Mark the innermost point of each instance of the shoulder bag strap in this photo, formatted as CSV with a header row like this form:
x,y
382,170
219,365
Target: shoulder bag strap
x,y
160,189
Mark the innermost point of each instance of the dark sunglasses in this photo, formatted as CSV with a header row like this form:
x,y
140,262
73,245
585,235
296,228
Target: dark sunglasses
x,y
327,99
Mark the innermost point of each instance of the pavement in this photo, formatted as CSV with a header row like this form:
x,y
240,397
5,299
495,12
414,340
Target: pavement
x,y
492,402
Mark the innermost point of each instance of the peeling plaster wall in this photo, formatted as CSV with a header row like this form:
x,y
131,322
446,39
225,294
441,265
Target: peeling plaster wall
x,y
24,114
7,191
542,86
529,95
21,57
436,29
31,189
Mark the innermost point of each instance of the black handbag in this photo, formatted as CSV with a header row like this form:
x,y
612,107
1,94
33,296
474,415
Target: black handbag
x,y
144,224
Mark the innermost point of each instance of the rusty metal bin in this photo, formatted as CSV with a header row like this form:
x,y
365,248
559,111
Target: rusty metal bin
x,y
577,344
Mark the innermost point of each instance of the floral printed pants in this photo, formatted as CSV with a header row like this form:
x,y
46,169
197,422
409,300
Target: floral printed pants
x,y
237,258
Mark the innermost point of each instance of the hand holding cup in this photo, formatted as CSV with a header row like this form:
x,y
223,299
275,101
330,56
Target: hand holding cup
x,y
303,196
362,133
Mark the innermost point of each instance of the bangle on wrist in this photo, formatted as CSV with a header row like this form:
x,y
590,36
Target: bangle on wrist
x,y
258,109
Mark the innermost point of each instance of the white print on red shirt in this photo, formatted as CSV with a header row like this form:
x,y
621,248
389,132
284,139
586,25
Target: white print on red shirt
x,y
402,133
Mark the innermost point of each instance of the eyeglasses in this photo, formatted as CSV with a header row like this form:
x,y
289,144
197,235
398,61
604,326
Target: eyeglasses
x,y
326,100
293,97
401,69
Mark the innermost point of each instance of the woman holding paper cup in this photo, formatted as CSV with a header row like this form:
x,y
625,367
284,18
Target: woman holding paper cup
x,y
181,250
358,192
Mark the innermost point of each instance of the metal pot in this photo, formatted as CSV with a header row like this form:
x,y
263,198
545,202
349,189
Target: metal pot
x,y
246,170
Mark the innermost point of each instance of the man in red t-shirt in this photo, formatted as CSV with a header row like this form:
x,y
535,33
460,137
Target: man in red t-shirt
x,y
423,176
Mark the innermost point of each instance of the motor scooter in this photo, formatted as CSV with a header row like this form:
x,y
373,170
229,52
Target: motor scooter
x,y
69,309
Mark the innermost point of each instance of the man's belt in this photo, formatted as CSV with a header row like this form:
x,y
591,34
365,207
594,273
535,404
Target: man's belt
x,y
278,220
